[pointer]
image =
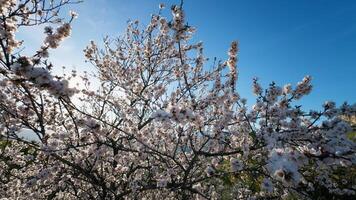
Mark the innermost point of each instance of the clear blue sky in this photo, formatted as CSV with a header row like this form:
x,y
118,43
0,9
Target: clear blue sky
x,y
280,40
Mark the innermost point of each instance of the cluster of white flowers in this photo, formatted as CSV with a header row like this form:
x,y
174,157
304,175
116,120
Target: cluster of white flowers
x,y
164,29
273,93
303,88
175,113
54,38
8,28
178,18
287,89
73,14
284,165
231,63
256,87
5,5
41,77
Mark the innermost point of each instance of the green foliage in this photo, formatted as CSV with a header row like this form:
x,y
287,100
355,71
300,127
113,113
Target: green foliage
x,y
3,144
251,178
352,136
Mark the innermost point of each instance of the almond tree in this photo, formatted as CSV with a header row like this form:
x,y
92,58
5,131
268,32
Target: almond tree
x,y
161,123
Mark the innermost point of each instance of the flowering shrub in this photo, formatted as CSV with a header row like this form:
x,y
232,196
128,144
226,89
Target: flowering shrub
x,y
161,125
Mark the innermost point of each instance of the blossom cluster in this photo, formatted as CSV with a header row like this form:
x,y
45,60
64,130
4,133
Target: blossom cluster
x,y
41,77
54,38
5,5
8,27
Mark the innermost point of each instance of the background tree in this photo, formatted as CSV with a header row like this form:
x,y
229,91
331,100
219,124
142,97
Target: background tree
x,y
161,125
351,119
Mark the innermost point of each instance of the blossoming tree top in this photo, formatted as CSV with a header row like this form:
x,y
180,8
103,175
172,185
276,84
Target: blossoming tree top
x,y
160,124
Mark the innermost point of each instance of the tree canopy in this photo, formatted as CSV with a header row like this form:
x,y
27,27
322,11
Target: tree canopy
x,y
160,123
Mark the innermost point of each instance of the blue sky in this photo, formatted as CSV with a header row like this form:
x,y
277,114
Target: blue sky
x,y
280,40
